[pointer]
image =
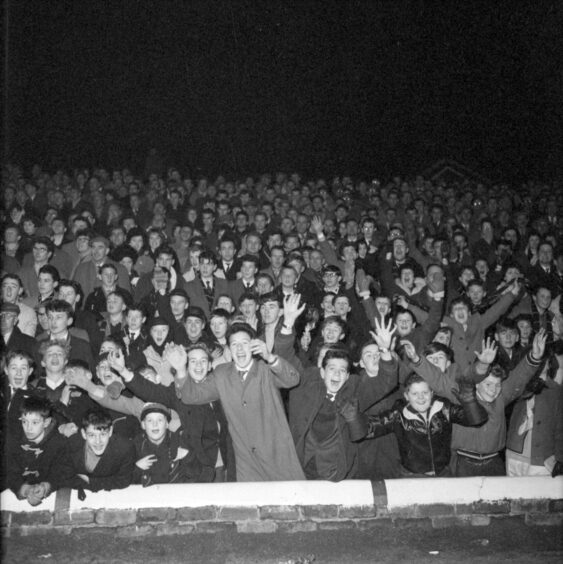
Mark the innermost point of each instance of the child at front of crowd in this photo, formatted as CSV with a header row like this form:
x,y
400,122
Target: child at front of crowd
x,y
36,460
423,423
162,456
98,459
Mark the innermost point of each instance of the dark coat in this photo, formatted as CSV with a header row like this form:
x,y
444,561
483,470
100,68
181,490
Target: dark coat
x,y
32,463
19,341
196,293
200,423
307,400
424,444
114,471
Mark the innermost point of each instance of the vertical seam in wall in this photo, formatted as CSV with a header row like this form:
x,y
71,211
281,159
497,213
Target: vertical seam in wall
x,y
62,505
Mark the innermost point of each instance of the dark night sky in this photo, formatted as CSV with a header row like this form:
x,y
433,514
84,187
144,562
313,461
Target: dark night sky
x,y
323,87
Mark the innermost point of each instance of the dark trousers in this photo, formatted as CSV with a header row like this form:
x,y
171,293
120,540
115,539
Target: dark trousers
x,y
465,466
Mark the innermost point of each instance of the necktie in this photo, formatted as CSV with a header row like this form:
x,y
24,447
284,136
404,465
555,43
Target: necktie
x,y
242,374
330,397
131,336
208,285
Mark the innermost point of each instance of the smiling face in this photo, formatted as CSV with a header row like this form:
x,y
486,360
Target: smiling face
x,y
155,426
198,364
335,374
405,324
419,396
18,371
332,333
240,347
96,439
489,389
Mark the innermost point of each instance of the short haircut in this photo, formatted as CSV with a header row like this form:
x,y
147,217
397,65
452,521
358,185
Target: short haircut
x,y
336,352
505,323
433,348
208,255
52,270
59,306
460,300
165,249
199,347
252,259
240,328
11,355
46,345
107,265
475,282
412,379
333,319
248,296
271,297
265,276
98,418
72,284
402,311
220,312
34,404
11,276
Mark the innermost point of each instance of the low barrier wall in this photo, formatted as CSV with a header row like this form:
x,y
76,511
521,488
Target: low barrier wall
x,y
268,507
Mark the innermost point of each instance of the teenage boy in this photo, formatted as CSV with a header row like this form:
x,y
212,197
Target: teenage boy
x,y
204,289
98,459
60,317
248,389
246,283
36,461
13,390
510,353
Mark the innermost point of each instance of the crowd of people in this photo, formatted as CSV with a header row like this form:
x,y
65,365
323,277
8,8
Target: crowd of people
x,y
163,329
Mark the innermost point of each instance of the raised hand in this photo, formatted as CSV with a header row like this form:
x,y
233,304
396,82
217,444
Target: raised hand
x,y
516,287
410,351
402,302
316,225
258,347
176,356
117,361
383,335
488,351
538,345
78,377
291,309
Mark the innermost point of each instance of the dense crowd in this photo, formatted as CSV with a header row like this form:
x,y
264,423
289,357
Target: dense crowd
x,y
161,328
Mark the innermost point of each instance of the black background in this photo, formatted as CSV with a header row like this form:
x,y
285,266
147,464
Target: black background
x,y
325,87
